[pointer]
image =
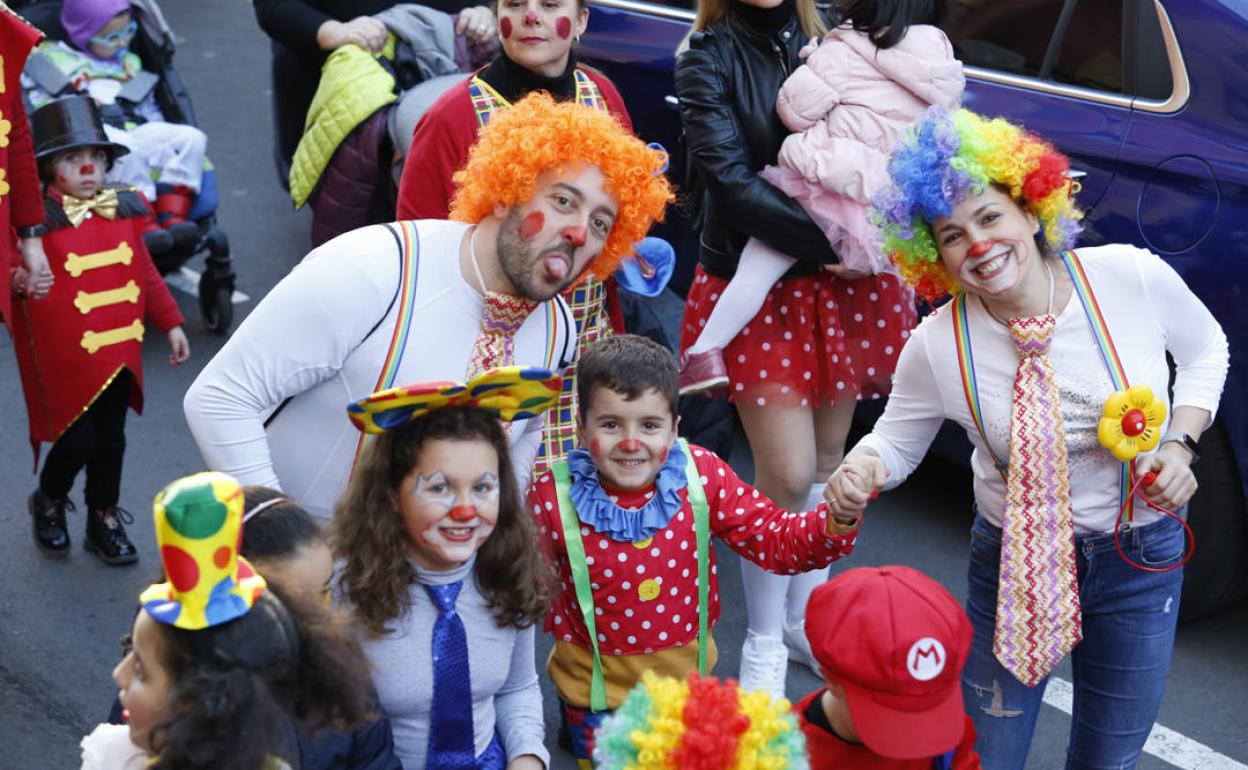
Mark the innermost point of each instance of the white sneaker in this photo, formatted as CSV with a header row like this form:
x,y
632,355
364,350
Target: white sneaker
x,y
764,663
799,646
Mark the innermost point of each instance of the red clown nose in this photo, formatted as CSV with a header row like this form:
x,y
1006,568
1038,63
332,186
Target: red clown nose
x,y
530,18
575,236
631,445
980,248
463,513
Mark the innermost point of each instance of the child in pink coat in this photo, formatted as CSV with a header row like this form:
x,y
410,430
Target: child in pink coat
x,y
847,105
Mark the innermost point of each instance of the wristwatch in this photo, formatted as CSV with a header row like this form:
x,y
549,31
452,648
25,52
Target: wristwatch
x,y
1187,441
32,231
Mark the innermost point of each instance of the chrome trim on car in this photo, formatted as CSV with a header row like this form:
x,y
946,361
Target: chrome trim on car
x,y
1179,94
654,9
1182,88
1048,87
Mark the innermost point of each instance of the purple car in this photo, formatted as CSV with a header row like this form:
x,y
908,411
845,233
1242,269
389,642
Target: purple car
x,y
1150,100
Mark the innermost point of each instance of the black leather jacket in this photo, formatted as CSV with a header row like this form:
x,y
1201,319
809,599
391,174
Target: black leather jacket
x,y
727,82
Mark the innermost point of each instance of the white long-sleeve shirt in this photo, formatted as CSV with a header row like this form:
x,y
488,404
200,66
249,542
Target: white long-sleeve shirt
x,y
320,339
1149,310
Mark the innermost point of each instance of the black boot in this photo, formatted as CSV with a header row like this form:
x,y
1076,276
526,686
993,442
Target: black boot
x,y
47,523
106,537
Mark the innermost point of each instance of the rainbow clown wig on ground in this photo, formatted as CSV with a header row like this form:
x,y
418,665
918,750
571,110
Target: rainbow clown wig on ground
x,y
699,724
538,134
950,155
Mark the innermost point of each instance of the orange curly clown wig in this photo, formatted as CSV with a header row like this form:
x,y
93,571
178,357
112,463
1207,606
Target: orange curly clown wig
x,y
538,134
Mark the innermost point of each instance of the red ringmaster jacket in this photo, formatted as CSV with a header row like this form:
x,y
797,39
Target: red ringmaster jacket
x,y
72,344
20,203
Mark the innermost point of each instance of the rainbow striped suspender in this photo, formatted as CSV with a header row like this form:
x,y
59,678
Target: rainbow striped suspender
x,y
1100,330
410,240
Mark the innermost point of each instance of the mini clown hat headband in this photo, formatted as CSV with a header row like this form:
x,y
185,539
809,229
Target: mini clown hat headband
x,y
950,155
509,393
199,527
700,723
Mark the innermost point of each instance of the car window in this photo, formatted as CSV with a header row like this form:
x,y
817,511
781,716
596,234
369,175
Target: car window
x,y
1076,43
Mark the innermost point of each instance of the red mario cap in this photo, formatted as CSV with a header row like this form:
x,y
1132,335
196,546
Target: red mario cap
x,y
896,640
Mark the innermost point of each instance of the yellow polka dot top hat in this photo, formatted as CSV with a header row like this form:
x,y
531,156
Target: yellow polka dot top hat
x,y
507,392
199,527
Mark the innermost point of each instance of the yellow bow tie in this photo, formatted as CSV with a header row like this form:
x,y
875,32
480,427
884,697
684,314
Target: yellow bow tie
x,y
103,203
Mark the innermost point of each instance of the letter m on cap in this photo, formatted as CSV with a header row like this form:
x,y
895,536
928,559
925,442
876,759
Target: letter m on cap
x,y
926,659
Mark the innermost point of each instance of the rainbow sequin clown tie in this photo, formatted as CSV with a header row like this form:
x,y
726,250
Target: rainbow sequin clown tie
x,y
1038,618
501,317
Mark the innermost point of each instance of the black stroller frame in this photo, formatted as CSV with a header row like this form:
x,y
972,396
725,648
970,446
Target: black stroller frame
x,y
154,44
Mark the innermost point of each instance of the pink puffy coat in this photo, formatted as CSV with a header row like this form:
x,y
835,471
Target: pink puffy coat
x,y
850,103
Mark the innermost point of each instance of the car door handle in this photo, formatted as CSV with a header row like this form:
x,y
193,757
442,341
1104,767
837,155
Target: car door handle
x,y
1076,173
672,102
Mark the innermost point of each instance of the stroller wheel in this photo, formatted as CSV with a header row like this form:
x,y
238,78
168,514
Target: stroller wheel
x,y
216,305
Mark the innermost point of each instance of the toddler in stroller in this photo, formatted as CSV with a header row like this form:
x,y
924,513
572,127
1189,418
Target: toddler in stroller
x,y
120,54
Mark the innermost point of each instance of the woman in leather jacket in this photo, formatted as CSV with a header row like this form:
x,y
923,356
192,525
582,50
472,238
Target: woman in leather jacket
x,y
818,344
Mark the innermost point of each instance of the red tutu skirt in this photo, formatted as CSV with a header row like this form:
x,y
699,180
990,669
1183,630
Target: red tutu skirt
x,y
817,339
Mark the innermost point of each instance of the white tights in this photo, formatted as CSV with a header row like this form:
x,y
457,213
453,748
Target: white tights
x,y
773,601
759,269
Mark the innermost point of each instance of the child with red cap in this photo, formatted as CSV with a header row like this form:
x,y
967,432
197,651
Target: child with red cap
x,y
891,643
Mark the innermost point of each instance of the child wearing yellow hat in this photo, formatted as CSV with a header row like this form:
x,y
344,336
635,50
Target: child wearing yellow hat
x,y
216,652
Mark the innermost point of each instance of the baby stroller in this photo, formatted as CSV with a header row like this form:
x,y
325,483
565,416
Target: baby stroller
x,y
155,47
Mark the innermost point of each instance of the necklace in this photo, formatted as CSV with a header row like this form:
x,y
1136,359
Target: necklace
x,y
1047,269
476,268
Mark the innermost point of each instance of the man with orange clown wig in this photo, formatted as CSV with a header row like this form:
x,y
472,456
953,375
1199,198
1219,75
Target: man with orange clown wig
x,y
550,192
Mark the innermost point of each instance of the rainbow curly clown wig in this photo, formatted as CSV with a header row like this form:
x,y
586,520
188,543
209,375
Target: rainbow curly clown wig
x,y
949,156
699,724
538,134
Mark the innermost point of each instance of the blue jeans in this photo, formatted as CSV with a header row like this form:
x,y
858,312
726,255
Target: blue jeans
x,y
1120,667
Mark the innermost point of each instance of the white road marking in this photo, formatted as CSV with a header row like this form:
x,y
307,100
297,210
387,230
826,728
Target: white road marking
x,y
186,281
1163,743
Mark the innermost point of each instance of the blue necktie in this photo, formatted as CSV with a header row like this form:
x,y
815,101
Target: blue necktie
x,y
451,745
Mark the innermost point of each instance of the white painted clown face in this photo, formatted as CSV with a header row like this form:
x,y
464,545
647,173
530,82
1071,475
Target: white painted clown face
x,y
449,502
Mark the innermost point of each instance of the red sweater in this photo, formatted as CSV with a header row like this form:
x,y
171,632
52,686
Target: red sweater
x,y
21,204
645,593
441,142
828,751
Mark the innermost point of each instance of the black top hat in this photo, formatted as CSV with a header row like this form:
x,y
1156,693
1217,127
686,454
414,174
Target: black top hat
x,y
73,121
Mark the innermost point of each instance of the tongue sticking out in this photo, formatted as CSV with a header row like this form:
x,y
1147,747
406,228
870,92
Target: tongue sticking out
x,y
556,267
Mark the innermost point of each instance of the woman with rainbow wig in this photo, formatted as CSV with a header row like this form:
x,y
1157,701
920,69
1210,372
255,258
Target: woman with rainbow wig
x,y
700,723
1053,360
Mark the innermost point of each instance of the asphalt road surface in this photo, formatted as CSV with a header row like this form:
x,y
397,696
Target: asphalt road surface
x,y
60,620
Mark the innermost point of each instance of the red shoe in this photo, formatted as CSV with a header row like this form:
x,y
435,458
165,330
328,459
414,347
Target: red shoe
x,y
172,206
702,371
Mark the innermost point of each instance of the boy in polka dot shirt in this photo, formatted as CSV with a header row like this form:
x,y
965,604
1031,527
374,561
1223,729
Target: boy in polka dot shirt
x,y
627,533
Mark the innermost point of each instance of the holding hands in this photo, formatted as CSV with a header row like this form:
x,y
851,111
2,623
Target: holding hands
x,y
34,277
852,485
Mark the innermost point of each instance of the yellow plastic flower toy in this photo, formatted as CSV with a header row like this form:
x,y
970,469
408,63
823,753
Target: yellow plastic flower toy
x,y
199,525
1131,422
